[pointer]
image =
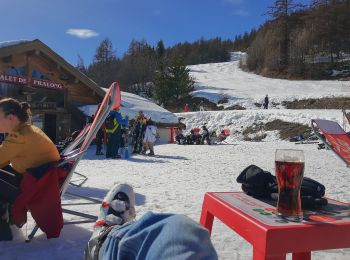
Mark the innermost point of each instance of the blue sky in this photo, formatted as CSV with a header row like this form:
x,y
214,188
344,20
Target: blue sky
x,y
59,23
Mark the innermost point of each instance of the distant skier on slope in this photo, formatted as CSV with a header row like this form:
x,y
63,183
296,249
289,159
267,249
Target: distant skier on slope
x,y
266,102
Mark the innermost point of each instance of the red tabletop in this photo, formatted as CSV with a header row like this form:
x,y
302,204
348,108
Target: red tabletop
x,y
273,237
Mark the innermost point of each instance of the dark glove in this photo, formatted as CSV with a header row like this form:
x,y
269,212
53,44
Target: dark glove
x,y
307,202
255,181
310,187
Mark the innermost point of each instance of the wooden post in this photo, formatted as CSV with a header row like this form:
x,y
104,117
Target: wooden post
x,y
172,129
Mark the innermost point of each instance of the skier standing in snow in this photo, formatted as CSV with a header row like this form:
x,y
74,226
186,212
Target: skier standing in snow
x,y
139,130
201,106
186,108
99,140
266,102
205,135
179,137
113,128
150,137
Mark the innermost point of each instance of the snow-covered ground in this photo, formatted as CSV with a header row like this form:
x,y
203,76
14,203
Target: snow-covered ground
x,y
131,104
215,80
176,179
238,120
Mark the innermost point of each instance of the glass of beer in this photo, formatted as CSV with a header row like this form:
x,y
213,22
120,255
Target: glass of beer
x,y
289,174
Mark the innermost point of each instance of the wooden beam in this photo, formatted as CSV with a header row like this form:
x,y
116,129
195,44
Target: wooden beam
x,y
19,49
4,66
28,69
43,69
83,99
16,62
7,59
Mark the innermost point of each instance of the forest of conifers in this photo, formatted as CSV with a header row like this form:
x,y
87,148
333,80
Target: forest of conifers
x,y
296,42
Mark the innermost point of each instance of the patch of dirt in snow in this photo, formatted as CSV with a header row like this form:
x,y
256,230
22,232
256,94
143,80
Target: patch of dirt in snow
x,y
256,132
321,103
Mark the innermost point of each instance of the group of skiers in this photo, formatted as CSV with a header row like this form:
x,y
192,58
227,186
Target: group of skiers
x,y
199,136
144,134
118,130
196,136
200,107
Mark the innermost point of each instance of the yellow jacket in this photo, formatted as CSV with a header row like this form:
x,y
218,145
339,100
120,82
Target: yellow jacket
x,y
27,148
115,123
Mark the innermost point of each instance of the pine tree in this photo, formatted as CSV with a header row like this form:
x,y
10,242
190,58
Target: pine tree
x,y
330,23
161,87
173,83
104,52
139,65
281,10
160,49
180,80
104,68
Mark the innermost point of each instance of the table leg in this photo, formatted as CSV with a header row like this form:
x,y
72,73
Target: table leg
x,y
259,255
301,256
206,219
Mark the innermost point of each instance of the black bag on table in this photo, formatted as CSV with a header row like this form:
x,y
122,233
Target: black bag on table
x,y
262,184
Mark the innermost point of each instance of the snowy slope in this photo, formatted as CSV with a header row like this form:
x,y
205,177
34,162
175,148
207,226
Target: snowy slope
x,y
217,79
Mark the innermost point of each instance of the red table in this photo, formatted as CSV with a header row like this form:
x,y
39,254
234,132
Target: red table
x,y
271,237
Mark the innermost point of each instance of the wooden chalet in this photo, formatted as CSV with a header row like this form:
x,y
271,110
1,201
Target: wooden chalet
x,y
32,72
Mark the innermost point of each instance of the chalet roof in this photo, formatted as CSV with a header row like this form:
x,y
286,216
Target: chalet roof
x,y
23,46
131,104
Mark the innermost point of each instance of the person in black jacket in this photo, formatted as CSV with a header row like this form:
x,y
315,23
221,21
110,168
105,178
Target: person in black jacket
x,y
99,141
205,135
100,134
266,102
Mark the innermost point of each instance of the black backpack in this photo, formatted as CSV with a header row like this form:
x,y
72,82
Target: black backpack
x,y
262,184
109,122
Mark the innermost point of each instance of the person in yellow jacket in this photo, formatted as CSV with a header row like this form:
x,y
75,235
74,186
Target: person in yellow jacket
x,y
113,124
139,129
25,146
